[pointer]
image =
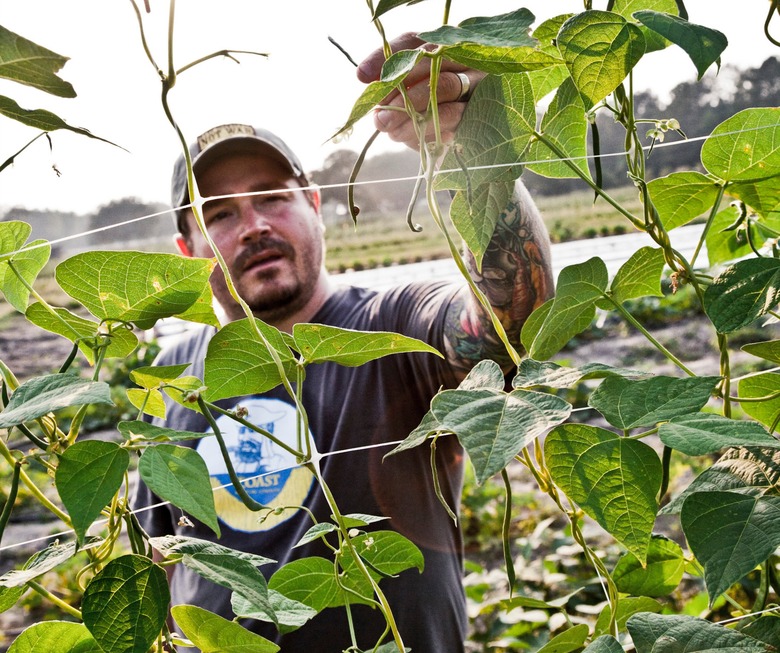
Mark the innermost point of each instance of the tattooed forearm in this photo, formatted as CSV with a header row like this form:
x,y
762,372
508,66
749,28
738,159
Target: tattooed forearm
x,y
516,277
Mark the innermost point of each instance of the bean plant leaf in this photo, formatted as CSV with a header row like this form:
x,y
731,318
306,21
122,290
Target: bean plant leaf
x,y
152,376
600,48
53,636
765,629
639,276
742,293
310,581
171,545
730,533
627,403
214,634
700,434
660,575
656,633
137,287
239,363
768,350
750,471
139,431
511,29
614,480
501,61
179,475
237,574
570,640
320,343
724,243
494,426
570,312
41,119
46,560
290,614
394,70
533,373
26,62
627,607
46,394
761,195
682,196
604,644
126,604
27,264
151,402
496,128
547,80
475,215
122,341
387,552
383,6
653,40
745,147
564,126
88,476
757,387
703,45
9,596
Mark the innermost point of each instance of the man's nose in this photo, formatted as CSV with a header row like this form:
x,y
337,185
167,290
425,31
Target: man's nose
x,y
254,222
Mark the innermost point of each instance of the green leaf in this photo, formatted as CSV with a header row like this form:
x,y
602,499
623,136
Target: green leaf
x,y
238,575
745,147
653,40
730,533
495,426
45,394
137,287
752,472
310,581
88,476
761,195
502,61
604,644
28,63
639,276
768,350
179,475
138,430
570,640
742,293
496,128
600,48
565,125
532,373
319,343
238,363
681,197
547,80
126,604
75,328
570,312
756,387
290,614
41,119
655,633
700,434
214,634
626,608
702,44
614,480
46,560
661,574
9,596
152,376
55,636
150,401
172,545
511,29
387,552
28,262
724,243
475,215
628,404
316,532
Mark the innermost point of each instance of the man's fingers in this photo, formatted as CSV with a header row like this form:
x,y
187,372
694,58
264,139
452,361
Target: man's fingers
x,y
371,67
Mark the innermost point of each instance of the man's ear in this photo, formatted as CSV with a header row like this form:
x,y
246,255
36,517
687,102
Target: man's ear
x,y
316,199
181,245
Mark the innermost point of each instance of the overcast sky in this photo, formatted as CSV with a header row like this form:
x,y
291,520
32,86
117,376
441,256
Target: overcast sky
x,y
304,90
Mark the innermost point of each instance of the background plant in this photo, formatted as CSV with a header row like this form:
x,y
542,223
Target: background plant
x,y
608,475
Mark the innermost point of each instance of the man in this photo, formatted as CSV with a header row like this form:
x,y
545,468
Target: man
x,y
272,244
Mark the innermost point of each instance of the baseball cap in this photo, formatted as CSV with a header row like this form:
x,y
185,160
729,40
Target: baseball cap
x,y
229,139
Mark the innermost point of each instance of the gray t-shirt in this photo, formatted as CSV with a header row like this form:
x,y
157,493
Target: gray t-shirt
x,y
380,402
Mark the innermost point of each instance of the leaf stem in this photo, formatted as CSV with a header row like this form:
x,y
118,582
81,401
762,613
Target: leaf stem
x,y
54,599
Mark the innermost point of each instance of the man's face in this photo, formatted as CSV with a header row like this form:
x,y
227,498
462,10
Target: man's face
x,y
272,243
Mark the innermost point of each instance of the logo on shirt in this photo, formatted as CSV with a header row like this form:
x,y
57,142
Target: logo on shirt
x,y
269,473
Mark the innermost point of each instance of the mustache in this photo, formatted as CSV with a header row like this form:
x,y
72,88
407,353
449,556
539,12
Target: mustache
x,y
258,247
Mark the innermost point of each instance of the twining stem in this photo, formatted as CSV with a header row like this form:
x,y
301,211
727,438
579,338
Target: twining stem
x,y
62,605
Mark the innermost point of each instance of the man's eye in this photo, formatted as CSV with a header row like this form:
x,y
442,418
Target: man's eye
x,y
216,216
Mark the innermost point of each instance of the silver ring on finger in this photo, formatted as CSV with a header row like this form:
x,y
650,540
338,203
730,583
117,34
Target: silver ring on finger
x,y
465,87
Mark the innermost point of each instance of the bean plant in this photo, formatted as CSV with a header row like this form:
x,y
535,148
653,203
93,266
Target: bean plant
x,y
547,79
